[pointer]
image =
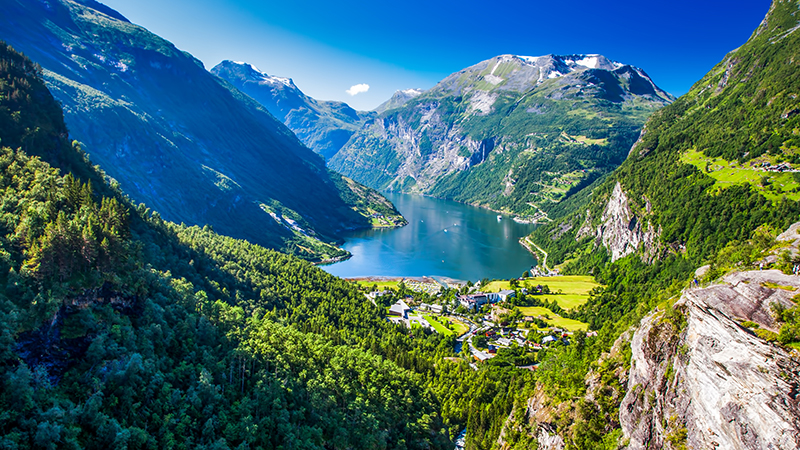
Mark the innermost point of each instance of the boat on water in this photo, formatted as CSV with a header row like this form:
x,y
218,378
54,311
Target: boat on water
x,y
499,217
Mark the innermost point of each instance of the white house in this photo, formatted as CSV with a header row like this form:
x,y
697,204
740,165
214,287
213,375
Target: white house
x,y
505,294
400,309
473,302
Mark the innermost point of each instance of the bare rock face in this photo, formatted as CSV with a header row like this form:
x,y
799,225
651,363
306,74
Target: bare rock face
x,y
747,295
620,230
792,237
704,381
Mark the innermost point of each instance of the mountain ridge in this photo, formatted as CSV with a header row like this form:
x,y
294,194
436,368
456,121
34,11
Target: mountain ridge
x,y
488,133
218,159
324,126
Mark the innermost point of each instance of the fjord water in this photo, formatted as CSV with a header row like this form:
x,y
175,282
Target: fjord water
x,y
443,238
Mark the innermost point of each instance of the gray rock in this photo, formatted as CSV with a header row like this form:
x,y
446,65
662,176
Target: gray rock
x,y
621,231
712,383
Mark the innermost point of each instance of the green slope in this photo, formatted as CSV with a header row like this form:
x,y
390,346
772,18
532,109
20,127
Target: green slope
x,y
121,330
696,175
701,161
507,133
176,137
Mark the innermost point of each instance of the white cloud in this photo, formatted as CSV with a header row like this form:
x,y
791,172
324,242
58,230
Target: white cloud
x,y
358,89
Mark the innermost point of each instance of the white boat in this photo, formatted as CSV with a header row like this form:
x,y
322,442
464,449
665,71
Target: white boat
x,y
499,217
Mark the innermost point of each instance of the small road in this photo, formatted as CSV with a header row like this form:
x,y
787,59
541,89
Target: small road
x,y
473,330
530,243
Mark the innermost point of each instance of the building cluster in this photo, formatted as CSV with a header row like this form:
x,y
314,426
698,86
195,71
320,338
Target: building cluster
x,y
473,302
538,271
422,286
438,309
782,167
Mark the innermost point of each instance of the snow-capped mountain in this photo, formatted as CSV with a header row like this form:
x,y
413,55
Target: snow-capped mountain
x,y
517,133
253,74
323,126
399,99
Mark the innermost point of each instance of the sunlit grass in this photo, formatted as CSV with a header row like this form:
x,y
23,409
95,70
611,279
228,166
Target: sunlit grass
x,y
574,288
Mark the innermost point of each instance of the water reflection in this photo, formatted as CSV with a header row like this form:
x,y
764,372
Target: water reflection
x,y
443,238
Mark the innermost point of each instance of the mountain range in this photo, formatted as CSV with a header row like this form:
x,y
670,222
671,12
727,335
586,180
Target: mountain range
x,y
513,133
324,126
119,329
218,158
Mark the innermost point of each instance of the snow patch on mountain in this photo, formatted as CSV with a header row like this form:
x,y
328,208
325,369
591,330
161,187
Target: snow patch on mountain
x,y
590,61
554,66
258,75
412,92
493,79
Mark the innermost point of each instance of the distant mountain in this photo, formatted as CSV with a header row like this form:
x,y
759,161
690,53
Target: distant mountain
x,y
514,133
324,126
399,99
176,137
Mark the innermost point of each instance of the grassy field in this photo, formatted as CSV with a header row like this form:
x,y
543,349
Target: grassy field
x,y
441,329
554,319
727,173
575,288
458,326
382,285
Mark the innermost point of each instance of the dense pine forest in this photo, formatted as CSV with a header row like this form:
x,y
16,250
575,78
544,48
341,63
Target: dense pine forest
x,y
122,330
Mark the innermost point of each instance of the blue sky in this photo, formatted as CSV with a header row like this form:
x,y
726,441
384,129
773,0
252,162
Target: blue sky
x,y
329,46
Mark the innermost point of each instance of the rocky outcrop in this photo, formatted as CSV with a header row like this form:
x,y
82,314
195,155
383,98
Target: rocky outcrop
x,y
791,238
545,418
701,380
621,231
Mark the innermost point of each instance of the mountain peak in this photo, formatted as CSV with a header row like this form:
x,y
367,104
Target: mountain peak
x,y
250,72
399,98
518,73
555,66
574,62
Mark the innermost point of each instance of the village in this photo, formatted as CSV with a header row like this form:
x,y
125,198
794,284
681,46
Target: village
x,y
510,319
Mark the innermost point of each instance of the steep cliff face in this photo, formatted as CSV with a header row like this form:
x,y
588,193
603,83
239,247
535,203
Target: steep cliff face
x,y
621,231
514,133
701,380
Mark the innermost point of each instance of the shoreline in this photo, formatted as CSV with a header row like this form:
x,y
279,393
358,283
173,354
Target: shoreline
x,y
422,279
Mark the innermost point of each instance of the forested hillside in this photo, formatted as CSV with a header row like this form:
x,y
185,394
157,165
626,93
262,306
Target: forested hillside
x,y
185,142
702,186
707,168
122,330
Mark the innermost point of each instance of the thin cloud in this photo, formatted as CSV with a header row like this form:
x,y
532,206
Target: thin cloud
x,y
358,89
